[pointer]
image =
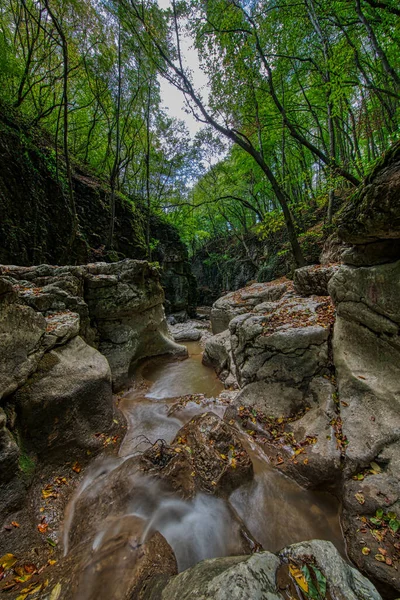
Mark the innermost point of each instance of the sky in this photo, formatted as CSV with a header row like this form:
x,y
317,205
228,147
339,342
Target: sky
x,y
172,98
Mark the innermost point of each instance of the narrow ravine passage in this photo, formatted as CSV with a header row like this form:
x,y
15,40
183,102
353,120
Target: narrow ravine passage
x,y
274,509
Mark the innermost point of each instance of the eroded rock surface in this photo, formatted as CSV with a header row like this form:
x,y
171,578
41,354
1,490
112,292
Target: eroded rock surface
x,y
206,455
313,279
66,333
244,300
259,576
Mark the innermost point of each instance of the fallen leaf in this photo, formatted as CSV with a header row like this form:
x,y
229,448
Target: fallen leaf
x,y
51,562
77,467
299,578
375,468
360,498
382,551
55,592
7,561
15,524
379,557
388,561
42,527
366,551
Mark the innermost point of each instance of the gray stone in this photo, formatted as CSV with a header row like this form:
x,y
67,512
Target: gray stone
x,y
67,400
343,580
313,279
368,374
255,577
244,300
21,335
187,335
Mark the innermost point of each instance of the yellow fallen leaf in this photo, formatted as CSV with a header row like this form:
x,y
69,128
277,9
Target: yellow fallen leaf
x,y
375,468
360,498
366,550
299,578
55,592
7,561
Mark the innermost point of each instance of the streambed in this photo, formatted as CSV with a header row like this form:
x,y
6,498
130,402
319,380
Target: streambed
x,y
274,509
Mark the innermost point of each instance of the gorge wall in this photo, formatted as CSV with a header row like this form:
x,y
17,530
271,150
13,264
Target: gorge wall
x,y
317,362
36,223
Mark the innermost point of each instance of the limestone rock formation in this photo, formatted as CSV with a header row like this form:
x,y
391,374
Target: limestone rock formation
x,y
116,307
314,279
262,576
244,300
65,333
66,401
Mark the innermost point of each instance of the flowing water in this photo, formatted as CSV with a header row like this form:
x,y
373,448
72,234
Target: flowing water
x,y
115,496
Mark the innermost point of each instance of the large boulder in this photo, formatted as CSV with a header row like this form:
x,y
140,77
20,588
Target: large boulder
x,y
67,400
244,300
285,342
266,576
206,455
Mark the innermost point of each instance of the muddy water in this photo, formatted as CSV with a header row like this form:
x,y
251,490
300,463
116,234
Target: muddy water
x,y
274,509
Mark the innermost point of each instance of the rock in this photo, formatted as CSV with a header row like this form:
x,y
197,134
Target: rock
x,y
217,354
373,212
374,253
245,300
85,572
320,464
11,487
21,335
67,400
201,458
343,580
187,335
117,307
366,351
368,375
258,576
314,279
287,344
332,250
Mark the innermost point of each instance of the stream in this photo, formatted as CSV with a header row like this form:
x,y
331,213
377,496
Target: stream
x,y
115,496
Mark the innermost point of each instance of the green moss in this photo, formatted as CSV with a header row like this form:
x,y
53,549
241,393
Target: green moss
x,y
26,464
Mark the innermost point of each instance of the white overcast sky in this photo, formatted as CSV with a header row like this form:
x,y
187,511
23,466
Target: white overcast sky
x,y
172,98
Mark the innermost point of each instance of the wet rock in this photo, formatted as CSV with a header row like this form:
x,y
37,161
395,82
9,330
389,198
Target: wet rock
x,y
244,300
255,577
67,400
119,565
313,280
206,455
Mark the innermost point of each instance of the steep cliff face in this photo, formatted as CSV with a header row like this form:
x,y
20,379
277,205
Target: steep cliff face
x,y
36,223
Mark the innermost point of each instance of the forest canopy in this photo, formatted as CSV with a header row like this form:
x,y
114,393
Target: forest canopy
x,y
303,98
